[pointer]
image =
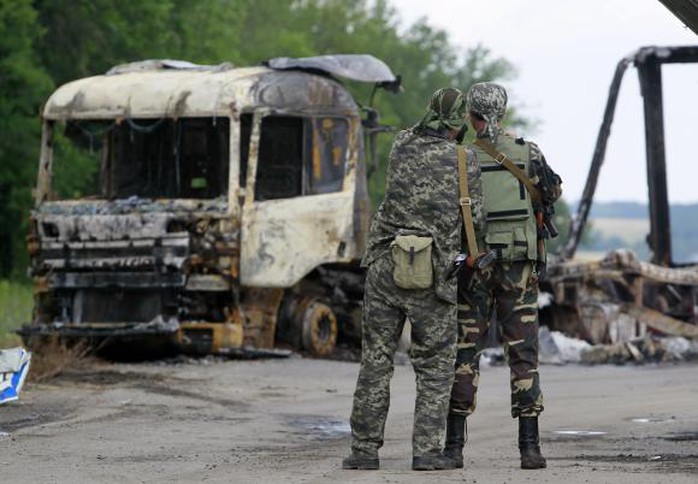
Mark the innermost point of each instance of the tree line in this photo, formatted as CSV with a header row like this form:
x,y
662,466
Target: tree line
x,y
46,43
683,220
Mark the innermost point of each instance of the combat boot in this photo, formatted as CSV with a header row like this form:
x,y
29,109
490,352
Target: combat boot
x,y
364,461
436,462
455,439
529,447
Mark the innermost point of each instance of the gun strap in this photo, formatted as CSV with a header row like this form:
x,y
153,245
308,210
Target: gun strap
x,y
466,202
503,160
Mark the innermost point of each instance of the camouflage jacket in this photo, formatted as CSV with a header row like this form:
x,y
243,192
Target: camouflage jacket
x,y
422,198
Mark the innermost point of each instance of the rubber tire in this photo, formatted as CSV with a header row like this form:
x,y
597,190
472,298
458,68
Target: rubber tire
x,y
318,329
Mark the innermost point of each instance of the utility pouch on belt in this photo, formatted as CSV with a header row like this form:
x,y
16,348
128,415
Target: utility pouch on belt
x,y
412,257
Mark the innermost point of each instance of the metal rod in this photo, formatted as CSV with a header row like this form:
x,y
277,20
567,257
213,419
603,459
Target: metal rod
x,y
580,218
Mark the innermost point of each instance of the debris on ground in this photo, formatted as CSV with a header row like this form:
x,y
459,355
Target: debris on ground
x,y
14,366
492,357
649,349
557,348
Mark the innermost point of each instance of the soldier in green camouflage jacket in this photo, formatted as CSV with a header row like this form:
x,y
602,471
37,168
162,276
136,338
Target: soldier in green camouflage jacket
x,y
510,285
414,237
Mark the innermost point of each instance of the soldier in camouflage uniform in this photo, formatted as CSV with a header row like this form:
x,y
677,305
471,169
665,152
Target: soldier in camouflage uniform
x,y
419,214
510,285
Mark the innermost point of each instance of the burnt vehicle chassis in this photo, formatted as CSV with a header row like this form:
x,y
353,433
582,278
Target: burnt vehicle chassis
x,y
231,211
619,298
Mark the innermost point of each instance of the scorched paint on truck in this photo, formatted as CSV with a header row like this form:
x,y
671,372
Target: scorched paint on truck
x,y
230,209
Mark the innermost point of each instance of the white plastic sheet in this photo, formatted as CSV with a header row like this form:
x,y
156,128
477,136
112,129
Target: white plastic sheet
x,y
14,366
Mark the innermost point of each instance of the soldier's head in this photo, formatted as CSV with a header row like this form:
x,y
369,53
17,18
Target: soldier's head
x,y
446,111
486,102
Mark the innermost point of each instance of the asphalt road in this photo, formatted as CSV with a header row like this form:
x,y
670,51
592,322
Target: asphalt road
x,y
287,421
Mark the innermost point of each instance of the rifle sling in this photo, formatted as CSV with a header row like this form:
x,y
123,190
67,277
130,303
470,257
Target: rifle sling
x,y
503,160
466,202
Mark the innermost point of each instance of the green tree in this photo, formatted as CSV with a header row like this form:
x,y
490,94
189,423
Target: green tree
x,y
423,55
87,37
206,31
23,84
49,42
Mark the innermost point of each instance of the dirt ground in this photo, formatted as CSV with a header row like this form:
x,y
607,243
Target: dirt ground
x,y
286,420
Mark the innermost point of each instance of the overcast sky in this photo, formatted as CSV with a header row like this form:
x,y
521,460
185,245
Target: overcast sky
x,y
565,52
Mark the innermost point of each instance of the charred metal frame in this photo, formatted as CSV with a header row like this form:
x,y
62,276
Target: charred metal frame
x,y
233,273
620,297
685,10
648,61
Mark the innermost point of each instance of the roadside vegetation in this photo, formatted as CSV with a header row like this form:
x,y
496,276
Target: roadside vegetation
x,y
53,357
15,309
46,43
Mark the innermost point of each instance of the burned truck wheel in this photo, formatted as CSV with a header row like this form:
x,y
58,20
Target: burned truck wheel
x,y
308,325
318,329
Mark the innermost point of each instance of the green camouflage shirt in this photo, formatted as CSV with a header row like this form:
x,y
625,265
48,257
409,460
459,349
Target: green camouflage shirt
x,y
422,198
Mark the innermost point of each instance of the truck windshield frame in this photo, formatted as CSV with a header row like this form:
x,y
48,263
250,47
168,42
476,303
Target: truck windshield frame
x,y
185,158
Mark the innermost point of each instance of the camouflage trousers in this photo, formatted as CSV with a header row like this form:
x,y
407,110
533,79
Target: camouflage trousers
x,y
432,352
510,289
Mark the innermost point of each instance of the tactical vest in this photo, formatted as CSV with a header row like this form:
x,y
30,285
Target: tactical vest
x,y
511,226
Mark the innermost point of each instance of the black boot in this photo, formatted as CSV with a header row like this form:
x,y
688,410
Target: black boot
x,y
365,461
435,462
455,438
529,447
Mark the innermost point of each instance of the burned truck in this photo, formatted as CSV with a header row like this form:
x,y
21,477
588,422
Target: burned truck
x,y
229,208
621,297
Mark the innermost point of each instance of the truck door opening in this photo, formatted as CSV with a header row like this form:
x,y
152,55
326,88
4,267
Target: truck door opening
x,y
297,156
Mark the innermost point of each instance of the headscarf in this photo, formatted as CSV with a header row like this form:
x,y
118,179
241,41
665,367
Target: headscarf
x,y
446,110
489,100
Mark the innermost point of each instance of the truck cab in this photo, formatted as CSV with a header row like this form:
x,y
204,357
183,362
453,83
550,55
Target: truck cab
x,y
228,210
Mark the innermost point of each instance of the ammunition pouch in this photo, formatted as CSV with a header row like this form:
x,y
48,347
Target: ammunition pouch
x,y
412,257
510,244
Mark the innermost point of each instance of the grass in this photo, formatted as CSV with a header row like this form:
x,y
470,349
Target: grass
x,y
51,356
15,310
